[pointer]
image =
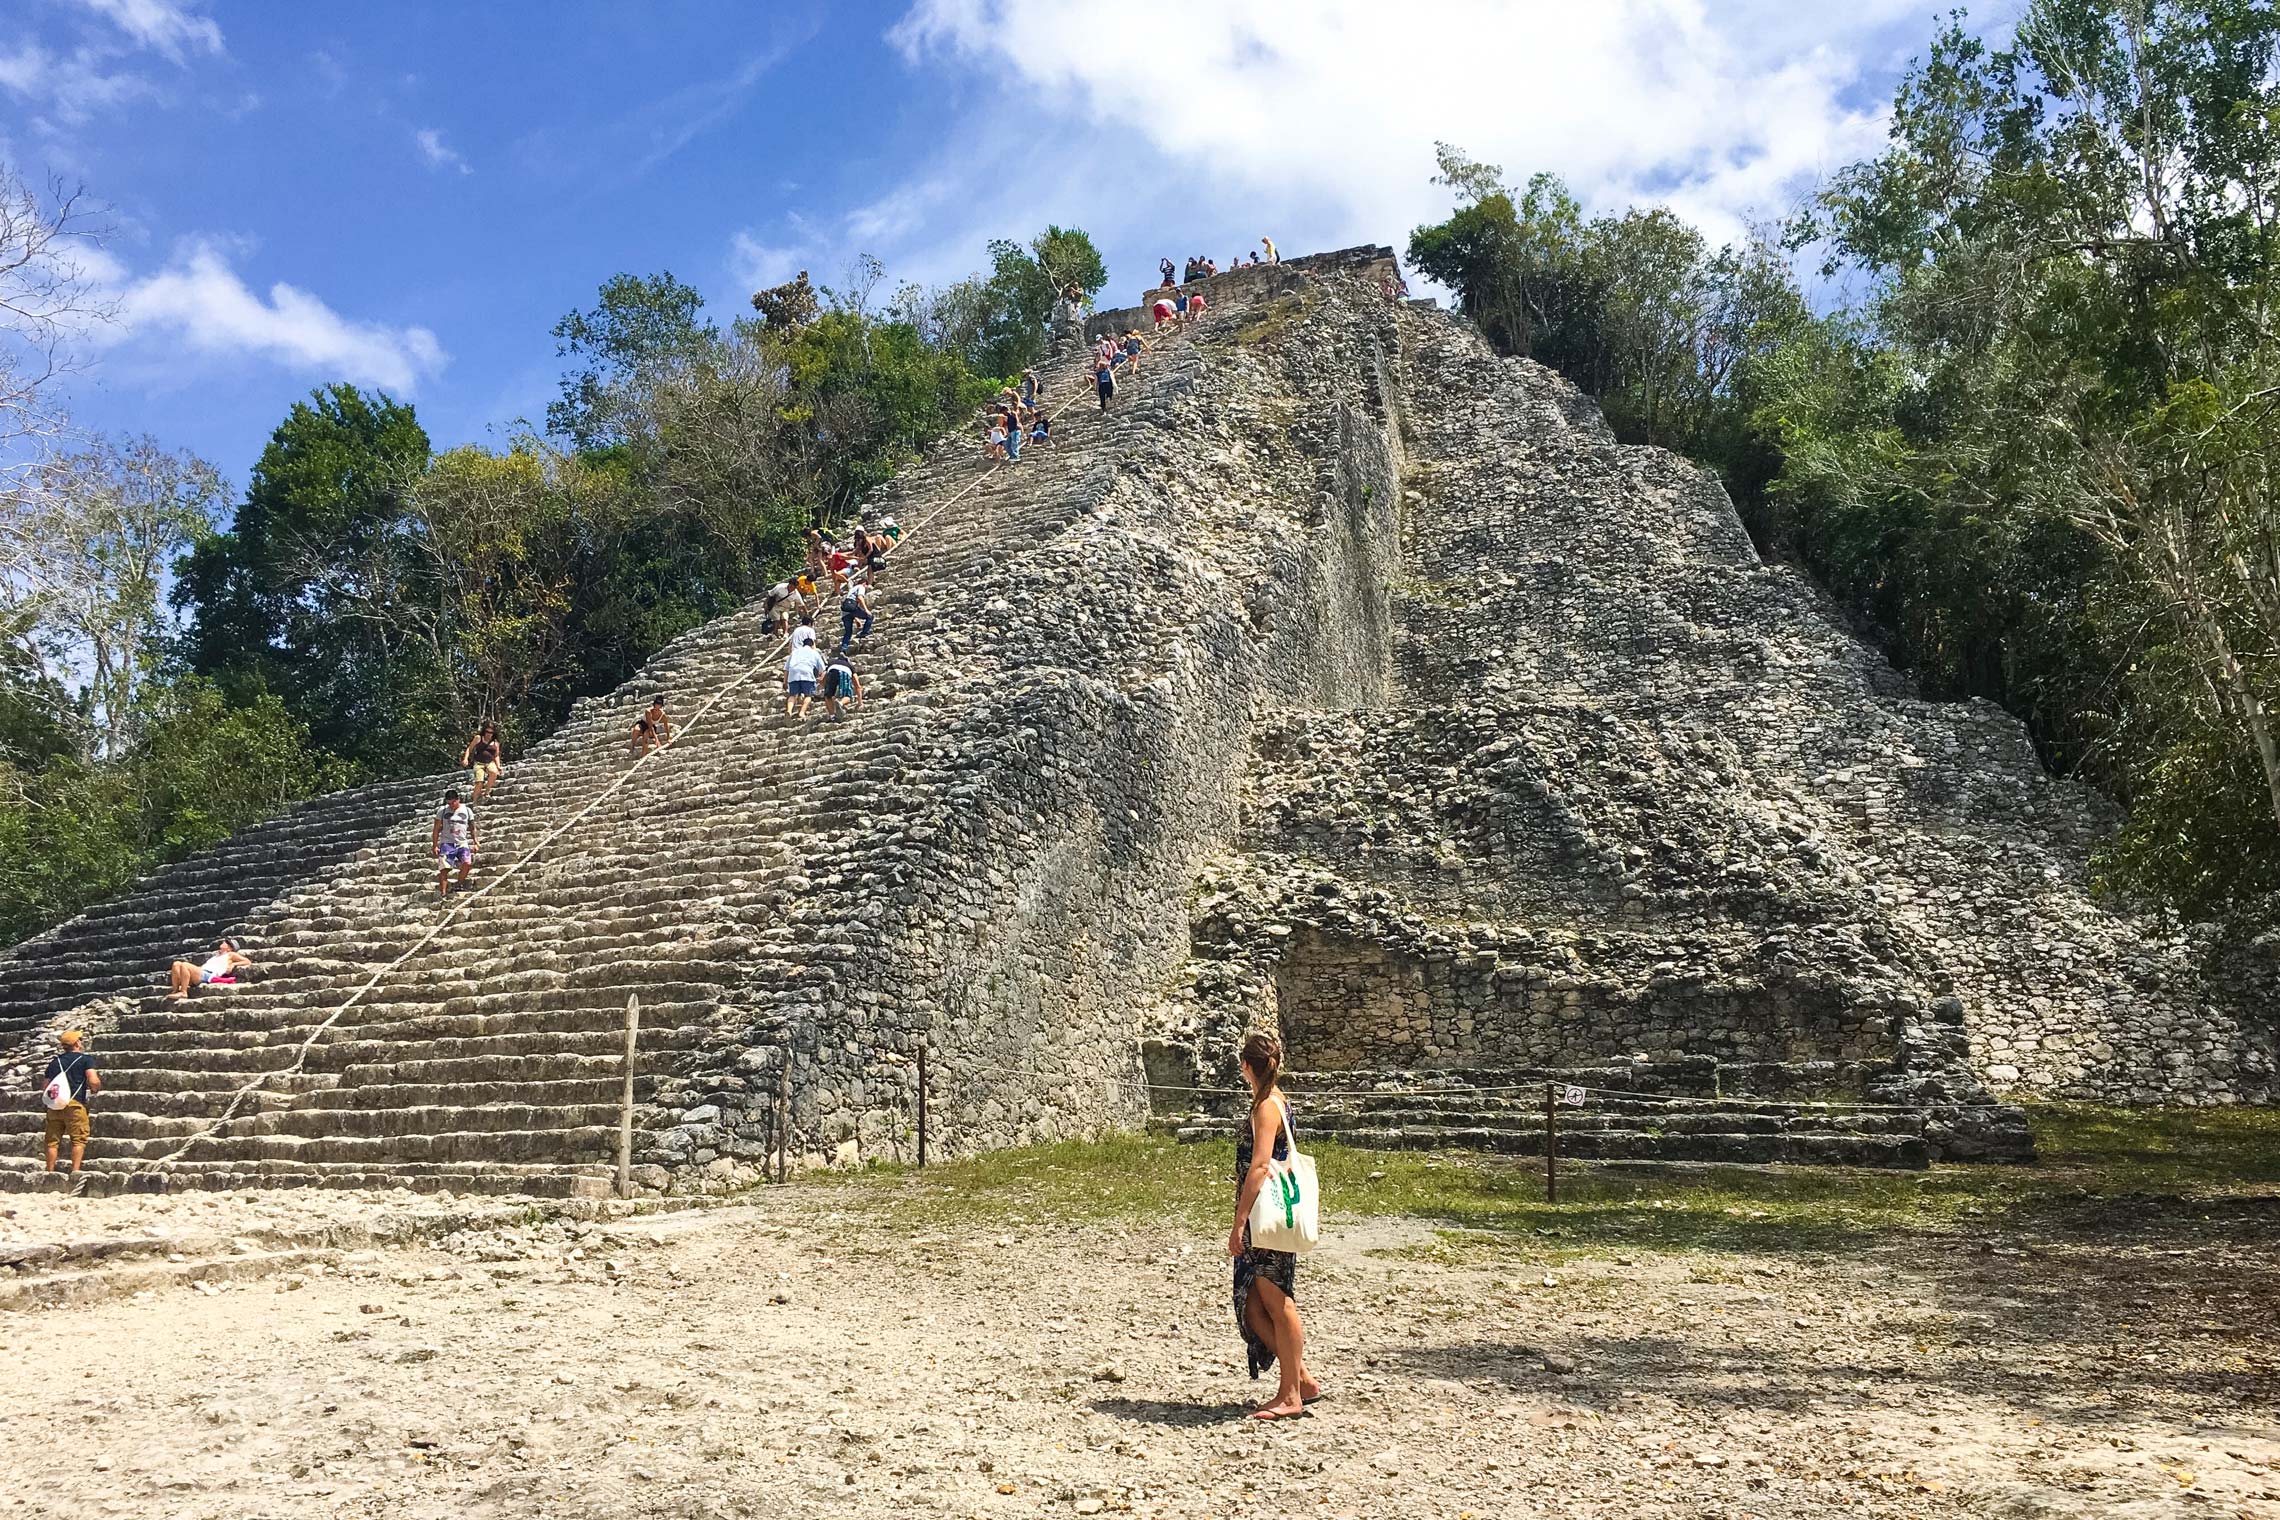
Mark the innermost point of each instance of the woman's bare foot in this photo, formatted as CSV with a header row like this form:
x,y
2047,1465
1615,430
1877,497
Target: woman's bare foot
x,y
1309,1391
1280,1409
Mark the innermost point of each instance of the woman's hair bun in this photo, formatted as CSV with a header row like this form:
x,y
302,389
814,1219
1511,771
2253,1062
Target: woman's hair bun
x,y
1262,1054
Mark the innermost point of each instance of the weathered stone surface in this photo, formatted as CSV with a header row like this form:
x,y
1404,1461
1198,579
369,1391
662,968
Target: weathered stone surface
x,y
1341,676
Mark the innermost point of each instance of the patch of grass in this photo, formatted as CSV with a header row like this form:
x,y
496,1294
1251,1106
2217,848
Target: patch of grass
x,y
1491,1205
1270,322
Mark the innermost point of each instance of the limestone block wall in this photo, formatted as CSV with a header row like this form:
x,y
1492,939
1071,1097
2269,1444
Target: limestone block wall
x,y
1353,1004
1020,890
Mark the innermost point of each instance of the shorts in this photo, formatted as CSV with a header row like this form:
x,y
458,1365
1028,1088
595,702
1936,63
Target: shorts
x,y
799,688
67,1123
458,855
477,771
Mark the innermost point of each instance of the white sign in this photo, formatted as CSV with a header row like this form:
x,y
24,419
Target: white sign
x,y
1572,1097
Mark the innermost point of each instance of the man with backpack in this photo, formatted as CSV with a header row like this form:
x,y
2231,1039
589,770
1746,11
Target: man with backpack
x,y
855,612
70,1080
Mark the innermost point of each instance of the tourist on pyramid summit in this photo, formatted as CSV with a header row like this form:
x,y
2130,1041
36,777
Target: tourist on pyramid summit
x,y
1166,267
800,673
652,730
219,968
482,761
855,606
1268,243
1266,1282
841,685
67,1084
452,840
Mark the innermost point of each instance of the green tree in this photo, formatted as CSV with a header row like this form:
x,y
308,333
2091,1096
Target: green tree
x,y
2047,468
275,603
640,327
91,538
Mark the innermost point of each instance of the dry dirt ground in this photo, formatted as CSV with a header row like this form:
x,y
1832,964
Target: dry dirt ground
x,y
791,1356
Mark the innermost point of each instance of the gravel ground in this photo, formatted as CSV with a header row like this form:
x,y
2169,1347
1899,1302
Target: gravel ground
x,y
785,1359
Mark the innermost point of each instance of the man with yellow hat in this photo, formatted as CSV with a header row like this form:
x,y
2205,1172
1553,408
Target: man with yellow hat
x,y
70,1080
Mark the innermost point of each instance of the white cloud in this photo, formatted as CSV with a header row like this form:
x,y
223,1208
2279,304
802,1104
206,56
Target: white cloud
x,y
757,265
438,153
1721,107
199,301
72,87
161,25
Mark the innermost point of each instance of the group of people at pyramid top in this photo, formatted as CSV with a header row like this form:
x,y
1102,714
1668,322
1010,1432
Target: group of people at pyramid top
x,y
1199,267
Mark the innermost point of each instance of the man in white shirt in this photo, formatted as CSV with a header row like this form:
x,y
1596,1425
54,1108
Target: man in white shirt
x,y
452,839
800,673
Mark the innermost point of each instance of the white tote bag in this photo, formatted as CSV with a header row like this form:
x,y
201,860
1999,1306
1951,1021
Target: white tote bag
x,y
1287,1214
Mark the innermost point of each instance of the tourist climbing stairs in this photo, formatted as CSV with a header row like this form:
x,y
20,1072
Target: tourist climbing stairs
x,y
492,1059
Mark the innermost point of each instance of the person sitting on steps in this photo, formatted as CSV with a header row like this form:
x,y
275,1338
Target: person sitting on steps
x,y
652,730
451,839
482,761
1042,433
220,968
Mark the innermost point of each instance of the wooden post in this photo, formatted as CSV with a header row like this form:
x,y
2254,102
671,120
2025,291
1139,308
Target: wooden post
x,y
1551,1144
625,1110
922,1105
784,1116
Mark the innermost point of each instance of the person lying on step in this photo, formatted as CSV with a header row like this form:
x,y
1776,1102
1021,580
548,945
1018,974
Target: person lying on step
x,y
220,968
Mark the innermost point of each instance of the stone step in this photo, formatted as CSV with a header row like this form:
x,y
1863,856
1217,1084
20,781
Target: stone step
x,y
1741,1149
582,1180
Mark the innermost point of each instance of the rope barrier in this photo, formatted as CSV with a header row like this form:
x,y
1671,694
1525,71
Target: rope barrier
x,y
451,916
1455,1090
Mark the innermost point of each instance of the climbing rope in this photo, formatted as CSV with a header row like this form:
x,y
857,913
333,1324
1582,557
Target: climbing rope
x,y
308,1042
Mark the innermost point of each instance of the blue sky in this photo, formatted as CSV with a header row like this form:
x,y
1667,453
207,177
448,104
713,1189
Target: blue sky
x,y
408,195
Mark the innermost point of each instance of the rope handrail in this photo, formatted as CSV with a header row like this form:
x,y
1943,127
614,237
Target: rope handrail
x,y
451,915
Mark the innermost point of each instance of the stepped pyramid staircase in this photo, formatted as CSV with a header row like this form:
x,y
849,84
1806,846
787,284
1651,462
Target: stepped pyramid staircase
x,y
492,1061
